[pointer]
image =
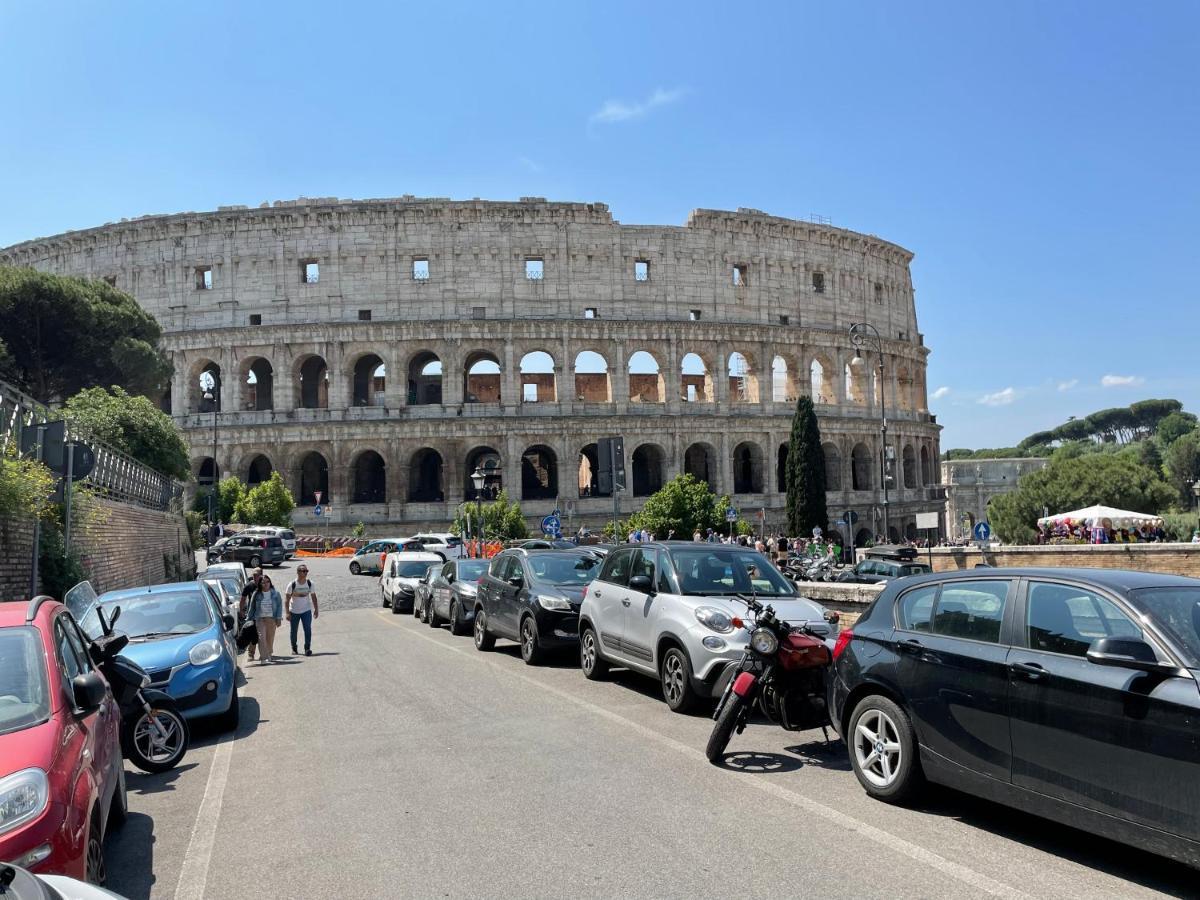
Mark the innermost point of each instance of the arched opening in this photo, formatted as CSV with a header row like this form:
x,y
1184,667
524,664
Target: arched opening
x,y
370,379
537,378
833,467
314,476
909,459
164,401
856,381
487,461
258,384
208,472
821,381
860,468
783,386
743,380
314,383
589,485
747,468
781,458
835,537
591,378
647,464
646,383
893,534
425,380
207,380
539,473
481,378
698,461
863,537
258,471
368,479
910,531
926,468
697,381
425,477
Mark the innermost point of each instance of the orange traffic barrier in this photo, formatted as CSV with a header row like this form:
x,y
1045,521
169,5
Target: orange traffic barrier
x,y
340,551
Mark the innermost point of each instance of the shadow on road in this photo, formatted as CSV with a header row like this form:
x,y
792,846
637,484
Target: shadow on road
x,y
760,763
823,754
129,857
138,782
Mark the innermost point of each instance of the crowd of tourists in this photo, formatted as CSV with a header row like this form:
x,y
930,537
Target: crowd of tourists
x,y
1082,532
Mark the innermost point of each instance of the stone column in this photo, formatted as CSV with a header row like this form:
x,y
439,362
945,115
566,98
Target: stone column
x,y
510,379
724,465
179,387
721,378
453,378
394,383
511,463
619,376
287,381
340,384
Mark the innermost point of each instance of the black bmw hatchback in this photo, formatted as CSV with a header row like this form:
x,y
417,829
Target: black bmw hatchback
x,y
1073,694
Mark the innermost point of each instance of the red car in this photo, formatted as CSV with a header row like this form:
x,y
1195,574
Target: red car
x,y
62,779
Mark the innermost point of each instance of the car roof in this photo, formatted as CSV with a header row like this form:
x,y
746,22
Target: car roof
x,y
415,556
174,587
1116,579
13,612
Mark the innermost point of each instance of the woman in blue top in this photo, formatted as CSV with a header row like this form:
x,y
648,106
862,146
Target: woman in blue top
x,y
266,609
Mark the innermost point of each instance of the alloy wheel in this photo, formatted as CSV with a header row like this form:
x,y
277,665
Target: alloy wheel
x,y
589,651
673,678
877,749
96,871
528,639
158,736
480,625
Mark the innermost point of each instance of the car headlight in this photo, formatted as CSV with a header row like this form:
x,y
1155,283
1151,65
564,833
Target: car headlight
x,y
204,652
469,590
763,641
546,601
23,796
716,619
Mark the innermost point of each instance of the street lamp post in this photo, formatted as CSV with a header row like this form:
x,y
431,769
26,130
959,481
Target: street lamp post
x,y
211,400
861,333
1196,493
478,479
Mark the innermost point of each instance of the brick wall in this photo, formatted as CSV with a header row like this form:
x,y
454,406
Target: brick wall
x,y
16,558
1168,559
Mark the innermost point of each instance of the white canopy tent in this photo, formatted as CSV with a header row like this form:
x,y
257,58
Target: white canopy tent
x,y
1093,515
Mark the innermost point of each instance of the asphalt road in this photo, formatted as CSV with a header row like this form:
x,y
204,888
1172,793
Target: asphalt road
x,y
400,762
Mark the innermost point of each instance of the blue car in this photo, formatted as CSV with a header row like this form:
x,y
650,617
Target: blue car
x,y
182,637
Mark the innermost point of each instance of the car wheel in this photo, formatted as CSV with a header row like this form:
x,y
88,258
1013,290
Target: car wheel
x,y
531,650
435,621
97,872
593,664
484,640
416,610
883,749
229,719
456,623
677,681
255,562
355,568
424,616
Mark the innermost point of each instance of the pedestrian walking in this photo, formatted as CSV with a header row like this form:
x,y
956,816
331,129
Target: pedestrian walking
x,y
266,609
248,593
302,608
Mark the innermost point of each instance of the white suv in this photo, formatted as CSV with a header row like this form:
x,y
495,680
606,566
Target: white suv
x,y
447,546
667,609
284,534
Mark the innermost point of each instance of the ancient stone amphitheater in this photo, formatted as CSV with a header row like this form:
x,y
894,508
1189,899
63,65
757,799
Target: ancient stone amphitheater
x,y
380,351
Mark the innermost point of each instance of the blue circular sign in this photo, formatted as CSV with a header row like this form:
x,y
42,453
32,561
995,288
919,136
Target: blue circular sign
x,y
731,515
317,510
982,531
551,525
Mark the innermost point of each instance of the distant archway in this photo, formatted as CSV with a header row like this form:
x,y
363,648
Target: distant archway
x,y
696,379
313,375
861,466
314,476
539,473
425,380
747,468
589,466
781,458
909,460
699,461
538,384
370,381
591,378
645,379
481,378
425,477
647,465
743,380
488,462
258,471
258,384
833,467
368,478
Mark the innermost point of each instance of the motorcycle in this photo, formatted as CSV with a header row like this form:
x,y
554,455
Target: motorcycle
x,y
784,671
819,568
154,734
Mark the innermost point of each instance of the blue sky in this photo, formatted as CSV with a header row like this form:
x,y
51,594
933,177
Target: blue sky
x,y
1039,158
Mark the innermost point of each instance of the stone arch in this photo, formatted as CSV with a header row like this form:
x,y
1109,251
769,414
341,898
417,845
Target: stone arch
x,y
539,473
538,382
368,478
425,379
313,476
783,381
908,460
910,531
821,380
491,465
257,377
743,378
863,537
368,379
697,384
856,381
482,375
592,380
781,458
589,466
648,464
700,461
207,470
258,470
833,466
747,468
646,383
926,469
425,470
204,377
312,378
861,466
835,537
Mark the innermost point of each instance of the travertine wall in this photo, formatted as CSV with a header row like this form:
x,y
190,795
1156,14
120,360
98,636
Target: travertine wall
x,y
1168,559
972,483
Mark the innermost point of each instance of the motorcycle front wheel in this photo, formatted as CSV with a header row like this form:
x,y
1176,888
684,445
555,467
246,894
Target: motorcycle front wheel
x,y
727,723
155,741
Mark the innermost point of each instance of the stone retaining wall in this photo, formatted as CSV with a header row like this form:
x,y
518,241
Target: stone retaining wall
x,y
1167,559
850,600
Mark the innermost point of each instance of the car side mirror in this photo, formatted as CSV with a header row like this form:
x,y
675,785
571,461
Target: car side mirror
x,y
516,580
87,691
642,584
1126,653
228,621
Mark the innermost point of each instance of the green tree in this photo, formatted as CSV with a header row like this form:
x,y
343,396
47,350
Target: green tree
x,y
1174,426
132,425
1181,462
25,485
267,503
683,505
1148,413
230,492
65,334
805,472
502,520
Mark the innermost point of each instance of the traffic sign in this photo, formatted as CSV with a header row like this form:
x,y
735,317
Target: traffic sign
x,y
731,515
317,495
551,525
982,531
317,510
850,517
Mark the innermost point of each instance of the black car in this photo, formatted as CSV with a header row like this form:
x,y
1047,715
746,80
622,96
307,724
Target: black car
x,y
253,550
454,591
1073,694
874,571
533,597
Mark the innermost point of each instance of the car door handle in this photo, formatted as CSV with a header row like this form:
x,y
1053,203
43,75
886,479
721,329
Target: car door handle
x,y
910,645
597,594
624,602
1030,671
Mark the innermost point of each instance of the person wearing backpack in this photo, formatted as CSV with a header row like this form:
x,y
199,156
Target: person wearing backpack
x,y
302,608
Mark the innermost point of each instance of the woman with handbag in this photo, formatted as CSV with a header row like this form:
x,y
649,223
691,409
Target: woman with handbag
x,y
266,611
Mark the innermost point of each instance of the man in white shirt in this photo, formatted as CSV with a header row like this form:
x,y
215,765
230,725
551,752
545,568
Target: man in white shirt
x,y
300,601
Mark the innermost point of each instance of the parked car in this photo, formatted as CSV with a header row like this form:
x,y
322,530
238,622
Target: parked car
x,y
183,638
62,780
21,884
447,545
369,558
1069,693
254,550
884,563
287,535
545,544
235,569
401,572
664,610
225,587
454,591
533,597
424,591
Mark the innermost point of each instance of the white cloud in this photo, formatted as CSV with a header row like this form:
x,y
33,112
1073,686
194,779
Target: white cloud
x,y
1000,398
1121,380
621,111
531,165
940,393
1067,385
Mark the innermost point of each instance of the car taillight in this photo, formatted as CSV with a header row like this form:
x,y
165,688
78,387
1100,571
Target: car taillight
x,y
585,587
262,543
843,641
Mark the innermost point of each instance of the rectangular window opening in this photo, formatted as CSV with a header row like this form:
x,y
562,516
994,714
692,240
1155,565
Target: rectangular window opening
x,y
420,270
204,278
818,282
534,269
310,271
878,292
255,318
110,280
529,393
691,393
784,320
641,270
739,275
693,315
478,312
590,313
364,315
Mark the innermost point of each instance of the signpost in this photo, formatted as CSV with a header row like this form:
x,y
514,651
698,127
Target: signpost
x,y
731,515
981,532
928,521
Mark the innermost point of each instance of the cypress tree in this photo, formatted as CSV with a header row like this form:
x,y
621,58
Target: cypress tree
x,y
805,472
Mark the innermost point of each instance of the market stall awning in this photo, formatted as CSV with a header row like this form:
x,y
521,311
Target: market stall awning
x,y
1114,518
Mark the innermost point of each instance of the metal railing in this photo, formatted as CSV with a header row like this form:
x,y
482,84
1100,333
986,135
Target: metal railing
x,y
115,475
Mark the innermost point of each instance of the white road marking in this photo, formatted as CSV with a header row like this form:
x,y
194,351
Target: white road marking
x,y
193,874
977,880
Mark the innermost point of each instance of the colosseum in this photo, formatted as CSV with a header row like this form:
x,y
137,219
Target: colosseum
x,y
380,352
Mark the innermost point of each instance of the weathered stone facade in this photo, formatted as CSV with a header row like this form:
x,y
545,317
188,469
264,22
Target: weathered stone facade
x,y
373,350
971,483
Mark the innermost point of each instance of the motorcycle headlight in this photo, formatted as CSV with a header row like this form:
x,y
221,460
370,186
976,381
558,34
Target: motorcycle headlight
x,y
204,652
763,641
23,796
716,619
545,601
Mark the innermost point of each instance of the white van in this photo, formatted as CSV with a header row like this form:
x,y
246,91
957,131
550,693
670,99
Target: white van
x,y
401,572
287,535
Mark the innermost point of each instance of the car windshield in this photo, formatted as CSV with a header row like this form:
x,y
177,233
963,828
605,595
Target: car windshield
x,y
470,569
160,615
24,691
412,568
1177,611
564,570
704,572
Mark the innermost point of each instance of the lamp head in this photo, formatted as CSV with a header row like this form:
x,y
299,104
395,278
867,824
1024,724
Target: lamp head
x,y
478,478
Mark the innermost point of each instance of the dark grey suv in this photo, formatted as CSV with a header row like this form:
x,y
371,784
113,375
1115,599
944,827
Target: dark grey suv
x,y
453,593
254,550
